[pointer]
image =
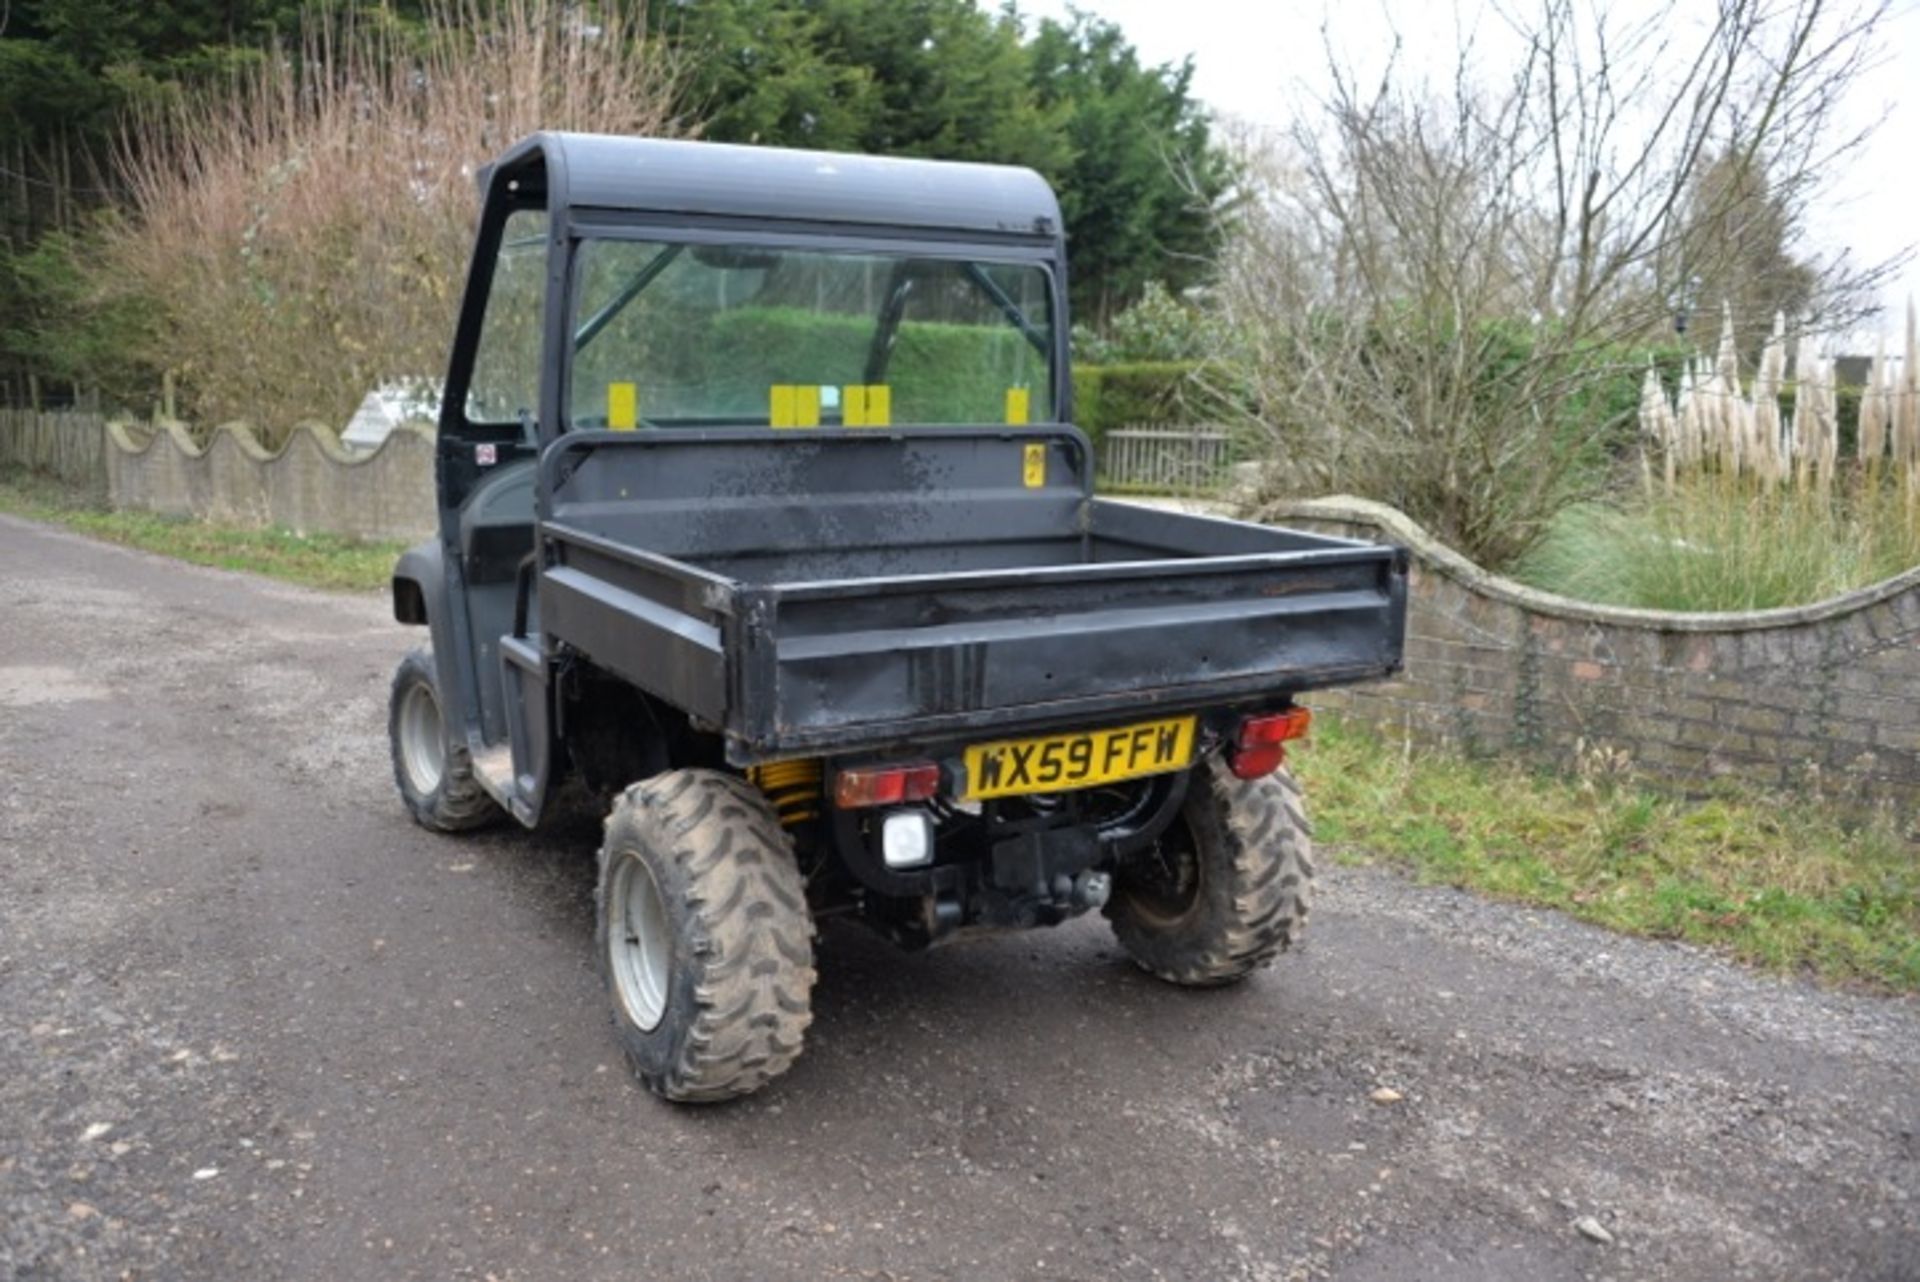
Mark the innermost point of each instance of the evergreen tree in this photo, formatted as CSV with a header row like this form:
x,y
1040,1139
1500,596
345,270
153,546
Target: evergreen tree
x,y
1126,145
1142,193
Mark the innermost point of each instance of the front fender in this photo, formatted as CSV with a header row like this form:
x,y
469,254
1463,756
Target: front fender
x,y
420,597
419,577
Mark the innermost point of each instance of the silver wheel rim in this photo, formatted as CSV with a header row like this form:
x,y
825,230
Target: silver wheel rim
x,y
423,740
639,942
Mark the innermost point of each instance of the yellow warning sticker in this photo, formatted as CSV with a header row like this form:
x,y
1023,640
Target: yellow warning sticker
x,y
623,406
865,405
1018,402
806,405
780,405
1033,469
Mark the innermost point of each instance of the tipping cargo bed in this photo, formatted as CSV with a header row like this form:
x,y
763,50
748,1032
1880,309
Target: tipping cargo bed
x,y
856,590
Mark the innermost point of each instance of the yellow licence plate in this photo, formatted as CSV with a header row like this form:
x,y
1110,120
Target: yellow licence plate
x,y
1058,763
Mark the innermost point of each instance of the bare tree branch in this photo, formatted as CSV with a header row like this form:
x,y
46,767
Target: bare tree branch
x,y
1436,295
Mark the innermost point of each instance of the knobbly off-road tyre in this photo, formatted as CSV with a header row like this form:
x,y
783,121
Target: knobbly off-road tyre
x,y
439,789
699,889
1227,887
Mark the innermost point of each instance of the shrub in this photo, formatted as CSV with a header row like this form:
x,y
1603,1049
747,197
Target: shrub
x,y
302,235
1147,392
1483,435
1109,397
1157,327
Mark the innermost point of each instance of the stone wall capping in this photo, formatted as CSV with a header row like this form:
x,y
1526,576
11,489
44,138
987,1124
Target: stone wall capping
x,y
1396,527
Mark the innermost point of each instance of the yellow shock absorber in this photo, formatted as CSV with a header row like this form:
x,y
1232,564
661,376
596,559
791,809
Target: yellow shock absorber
x,y
792,786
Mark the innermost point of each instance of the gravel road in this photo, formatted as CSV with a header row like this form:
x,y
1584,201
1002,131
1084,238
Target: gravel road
x,y
254,1024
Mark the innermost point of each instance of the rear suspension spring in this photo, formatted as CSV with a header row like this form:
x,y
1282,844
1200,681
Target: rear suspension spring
x,y
794,788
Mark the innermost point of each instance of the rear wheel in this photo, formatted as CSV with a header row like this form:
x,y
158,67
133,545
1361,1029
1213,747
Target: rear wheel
x,y
1226,888
432,770
704,938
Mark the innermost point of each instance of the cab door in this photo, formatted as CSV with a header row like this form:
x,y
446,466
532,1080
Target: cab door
x,y
486,466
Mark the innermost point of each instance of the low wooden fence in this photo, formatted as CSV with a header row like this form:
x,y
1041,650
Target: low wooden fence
x,y
1166,458
69,444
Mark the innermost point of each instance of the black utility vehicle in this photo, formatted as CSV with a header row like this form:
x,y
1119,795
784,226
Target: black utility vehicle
x,y
760,515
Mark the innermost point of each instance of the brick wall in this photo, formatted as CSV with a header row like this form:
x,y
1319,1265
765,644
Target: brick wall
x,y
1823,696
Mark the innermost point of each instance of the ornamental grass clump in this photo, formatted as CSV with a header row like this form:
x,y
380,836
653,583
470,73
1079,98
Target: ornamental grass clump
x,y
1710,547
1740,437
1744,506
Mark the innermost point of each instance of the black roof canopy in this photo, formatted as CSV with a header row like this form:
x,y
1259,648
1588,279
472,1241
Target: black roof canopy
x,y
601,171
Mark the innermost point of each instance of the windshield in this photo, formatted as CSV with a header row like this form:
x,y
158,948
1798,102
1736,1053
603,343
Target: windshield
x,y
669,334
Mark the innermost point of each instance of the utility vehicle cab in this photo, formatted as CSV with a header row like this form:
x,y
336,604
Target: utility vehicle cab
x,y
760,515
673,285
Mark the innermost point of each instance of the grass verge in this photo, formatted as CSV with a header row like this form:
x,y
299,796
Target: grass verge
x,y
1785,883
313,560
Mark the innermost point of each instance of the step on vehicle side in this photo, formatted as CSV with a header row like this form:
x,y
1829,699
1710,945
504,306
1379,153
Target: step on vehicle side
x,y
762,518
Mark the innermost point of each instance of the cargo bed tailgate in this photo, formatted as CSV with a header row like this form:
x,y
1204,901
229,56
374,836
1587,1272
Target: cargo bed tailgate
x,y
918,657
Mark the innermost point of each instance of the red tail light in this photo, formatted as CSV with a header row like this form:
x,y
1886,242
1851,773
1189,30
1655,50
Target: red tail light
x,y
1261,745
865,786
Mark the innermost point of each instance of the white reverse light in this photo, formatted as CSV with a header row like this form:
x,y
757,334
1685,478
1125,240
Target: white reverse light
x,y
906,839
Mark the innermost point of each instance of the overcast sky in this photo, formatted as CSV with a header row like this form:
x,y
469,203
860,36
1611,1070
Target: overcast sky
x,y
1253,58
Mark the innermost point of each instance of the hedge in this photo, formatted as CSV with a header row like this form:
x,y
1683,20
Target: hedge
x,y
1109,397
939,373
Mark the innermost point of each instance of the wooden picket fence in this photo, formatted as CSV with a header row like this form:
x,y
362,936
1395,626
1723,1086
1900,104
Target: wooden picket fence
x,y
68,444
1166,457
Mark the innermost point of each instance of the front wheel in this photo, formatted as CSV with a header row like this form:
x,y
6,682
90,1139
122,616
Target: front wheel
x,y
704,938
1226,888
433,772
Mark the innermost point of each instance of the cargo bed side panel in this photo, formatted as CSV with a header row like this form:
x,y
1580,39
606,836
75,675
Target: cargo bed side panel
x,y
658,624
